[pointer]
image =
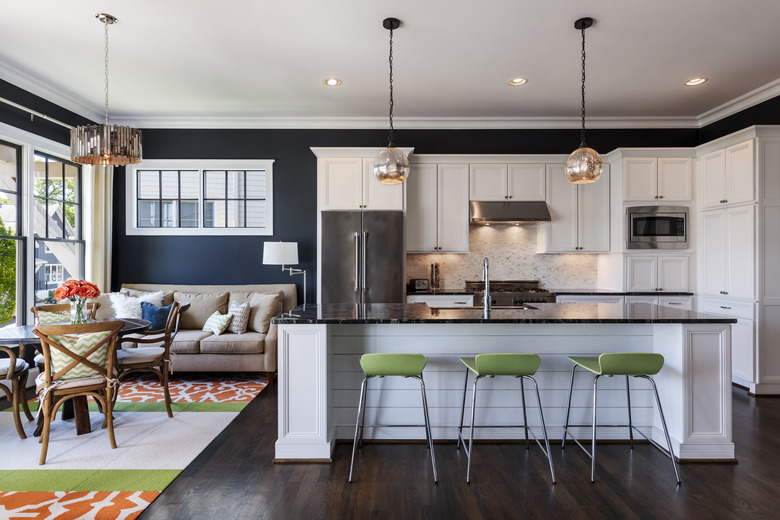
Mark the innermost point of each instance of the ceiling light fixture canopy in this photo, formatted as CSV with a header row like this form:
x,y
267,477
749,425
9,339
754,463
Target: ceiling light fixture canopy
x,y
584,165
391,165
105,145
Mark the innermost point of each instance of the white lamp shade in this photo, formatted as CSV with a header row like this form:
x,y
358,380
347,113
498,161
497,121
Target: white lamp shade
x,y
280,253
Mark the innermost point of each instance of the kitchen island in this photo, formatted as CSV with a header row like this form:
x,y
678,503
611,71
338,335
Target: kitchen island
x,y
319,372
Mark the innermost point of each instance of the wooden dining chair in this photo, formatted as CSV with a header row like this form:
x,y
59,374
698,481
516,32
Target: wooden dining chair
x,y
45,315
79,362
150,352
15,369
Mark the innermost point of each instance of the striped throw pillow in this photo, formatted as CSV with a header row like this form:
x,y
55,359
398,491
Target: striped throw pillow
x,y
217,323
79,344
45,317
240,312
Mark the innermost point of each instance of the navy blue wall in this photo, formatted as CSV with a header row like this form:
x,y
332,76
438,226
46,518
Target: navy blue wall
x,y
236,260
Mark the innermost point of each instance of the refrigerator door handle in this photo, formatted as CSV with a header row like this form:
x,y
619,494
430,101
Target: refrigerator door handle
x,y
357,261
363,262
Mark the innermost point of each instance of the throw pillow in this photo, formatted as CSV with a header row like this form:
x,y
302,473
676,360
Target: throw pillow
x,y
130,307
167,295
157,315
45,317
217,323
240,312
263,307
79,344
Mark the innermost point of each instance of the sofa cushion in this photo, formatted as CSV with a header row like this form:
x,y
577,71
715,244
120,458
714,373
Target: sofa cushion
x,y
188,341
263,307
248,343
202,305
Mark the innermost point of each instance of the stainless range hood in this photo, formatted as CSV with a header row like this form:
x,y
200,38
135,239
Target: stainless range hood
x,y
514,212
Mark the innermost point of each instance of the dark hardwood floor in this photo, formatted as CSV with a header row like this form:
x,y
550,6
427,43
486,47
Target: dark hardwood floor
x,y
235,478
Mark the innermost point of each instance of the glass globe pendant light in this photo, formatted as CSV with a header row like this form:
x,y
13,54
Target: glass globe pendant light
x,y
391,165
105,145
584,165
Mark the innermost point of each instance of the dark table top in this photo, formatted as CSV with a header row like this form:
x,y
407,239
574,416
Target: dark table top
x,y
24,334
540,313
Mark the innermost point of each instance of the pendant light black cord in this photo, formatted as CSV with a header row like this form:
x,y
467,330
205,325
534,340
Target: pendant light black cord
x,y
391,141
582,132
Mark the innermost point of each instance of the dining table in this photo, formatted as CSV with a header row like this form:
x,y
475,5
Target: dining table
x,y
77,406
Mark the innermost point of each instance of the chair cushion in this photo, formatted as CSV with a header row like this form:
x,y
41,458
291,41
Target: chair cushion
x,y
21,365
248,343
202,305
157,315
240,312
65,384
188,341
139,355
130,306
217,323
79,344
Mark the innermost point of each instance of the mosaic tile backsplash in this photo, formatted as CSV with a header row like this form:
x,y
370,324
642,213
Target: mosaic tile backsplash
x,y
511,251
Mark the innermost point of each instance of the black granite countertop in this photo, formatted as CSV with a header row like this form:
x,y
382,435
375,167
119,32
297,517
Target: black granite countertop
x,y
332,314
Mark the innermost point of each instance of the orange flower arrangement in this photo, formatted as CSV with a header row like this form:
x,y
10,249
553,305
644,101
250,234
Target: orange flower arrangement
x,y
73,289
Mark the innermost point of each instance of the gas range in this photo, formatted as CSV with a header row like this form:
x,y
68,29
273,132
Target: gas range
x,y
509,293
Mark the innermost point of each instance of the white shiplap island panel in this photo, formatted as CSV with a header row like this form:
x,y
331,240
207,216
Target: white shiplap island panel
x,y
319,377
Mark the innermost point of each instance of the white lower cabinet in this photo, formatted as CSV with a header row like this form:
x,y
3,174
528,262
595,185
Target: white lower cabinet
x,y
648,273
743,335
680,302
589,298
442,300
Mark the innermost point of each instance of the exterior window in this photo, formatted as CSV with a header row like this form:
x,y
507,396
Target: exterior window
x,y
200,197
59,248
12,243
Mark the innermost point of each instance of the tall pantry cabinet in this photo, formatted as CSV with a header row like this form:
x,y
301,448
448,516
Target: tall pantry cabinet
x,y
738,180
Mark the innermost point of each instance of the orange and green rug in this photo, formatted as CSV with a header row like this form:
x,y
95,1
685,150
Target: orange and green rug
x,y
83,478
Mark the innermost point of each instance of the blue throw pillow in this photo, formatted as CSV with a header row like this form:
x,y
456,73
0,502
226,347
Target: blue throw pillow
x,y
157,315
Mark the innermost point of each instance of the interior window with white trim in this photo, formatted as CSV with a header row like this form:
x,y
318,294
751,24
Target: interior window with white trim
x,y
200,197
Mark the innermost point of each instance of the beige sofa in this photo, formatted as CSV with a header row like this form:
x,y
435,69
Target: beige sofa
x,y
194,350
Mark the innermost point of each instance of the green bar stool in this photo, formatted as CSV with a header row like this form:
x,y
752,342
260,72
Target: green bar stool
x,y
521,366
629,364
382,365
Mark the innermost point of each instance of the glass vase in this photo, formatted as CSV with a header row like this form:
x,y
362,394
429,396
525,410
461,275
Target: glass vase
x,y
78,310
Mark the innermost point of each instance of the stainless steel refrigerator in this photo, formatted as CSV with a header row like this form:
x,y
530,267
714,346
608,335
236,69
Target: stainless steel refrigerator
x,y
363,257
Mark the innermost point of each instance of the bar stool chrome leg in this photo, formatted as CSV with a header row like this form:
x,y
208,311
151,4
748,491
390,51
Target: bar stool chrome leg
x,y
666,430
462,411
525,415
471,436
630,424
568,409
358,424
544,427
593,439
428,433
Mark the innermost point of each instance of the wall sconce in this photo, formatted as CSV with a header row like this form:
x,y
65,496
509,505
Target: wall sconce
x,y
284,253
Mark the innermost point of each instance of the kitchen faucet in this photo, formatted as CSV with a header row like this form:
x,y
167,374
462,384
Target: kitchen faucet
x,y
487,298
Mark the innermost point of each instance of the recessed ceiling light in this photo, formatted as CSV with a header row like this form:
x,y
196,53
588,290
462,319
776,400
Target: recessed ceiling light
x,y
516,82
695,81
332,82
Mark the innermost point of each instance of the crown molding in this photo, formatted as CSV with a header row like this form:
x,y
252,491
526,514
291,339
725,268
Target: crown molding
x,y
35,86
752,98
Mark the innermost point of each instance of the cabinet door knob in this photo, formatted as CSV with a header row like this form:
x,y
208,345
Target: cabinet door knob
x,y
660,196
510,196
656,196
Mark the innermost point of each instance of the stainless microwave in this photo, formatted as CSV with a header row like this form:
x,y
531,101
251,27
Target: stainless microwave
x,y
657,227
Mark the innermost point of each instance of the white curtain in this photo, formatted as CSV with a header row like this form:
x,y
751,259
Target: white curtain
x,y
98,219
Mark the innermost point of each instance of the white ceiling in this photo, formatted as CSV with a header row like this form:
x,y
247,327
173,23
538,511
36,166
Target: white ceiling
x,y
261,63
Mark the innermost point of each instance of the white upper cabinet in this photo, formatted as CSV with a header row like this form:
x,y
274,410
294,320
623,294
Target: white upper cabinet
x,y
661,179
579,212
437,214
348,183
500,182
728,176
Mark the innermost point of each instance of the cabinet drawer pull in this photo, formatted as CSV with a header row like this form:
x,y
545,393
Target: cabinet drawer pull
x,y
723,201
724,292
460,303
724,307
674,303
